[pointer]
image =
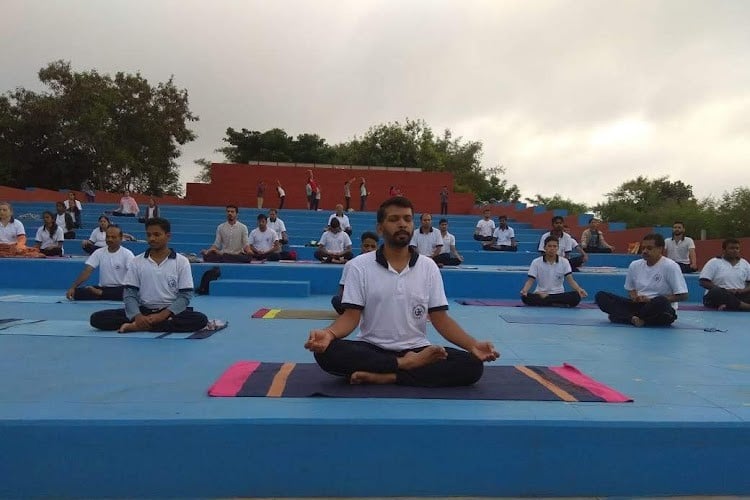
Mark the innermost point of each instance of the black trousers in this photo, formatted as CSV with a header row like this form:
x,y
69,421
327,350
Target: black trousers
x,y
344,357
718,296
565,299
326,258
362,203
187,321
51,251
685,268
656,312
598,250
447,260
500,248
443,208
282,199
347,202
226,257
108,293
90,248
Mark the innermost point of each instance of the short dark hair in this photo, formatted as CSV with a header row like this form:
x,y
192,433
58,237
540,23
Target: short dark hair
x,y
502,217
396,201
261,216
161,222
551,238
678,222
656,238
729,241
558,218
443,220
119,229
369,235
105,218
234,207
335,223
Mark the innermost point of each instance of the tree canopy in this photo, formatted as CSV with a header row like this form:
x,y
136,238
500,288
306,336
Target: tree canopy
x,y
115,132
411,144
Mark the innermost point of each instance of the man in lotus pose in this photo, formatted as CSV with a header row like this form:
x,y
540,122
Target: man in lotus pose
x,y
549,271
391,292
727,279
113,262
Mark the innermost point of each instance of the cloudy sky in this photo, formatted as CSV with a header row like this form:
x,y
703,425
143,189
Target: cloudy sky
x,y
571,96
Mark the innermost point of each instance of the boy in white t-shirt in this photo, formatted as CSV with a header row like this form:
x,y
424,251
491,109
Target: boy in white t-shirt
x,y
369,244
113,262
549,272
158,289
653,284
485,227
335,246
727,279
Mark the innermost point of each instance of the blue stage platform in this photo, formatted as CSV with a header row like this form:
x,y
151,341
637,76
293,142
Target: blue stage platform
x,y
87,415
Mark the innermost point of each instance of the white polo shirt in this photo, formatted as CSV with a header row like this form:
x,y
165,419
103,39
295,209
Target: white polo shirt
x,y
11,231
679,251
343,219
335,242
394,305
549,277
426,243
448,241
263,241
113,266
663,278
47,241
504,236
277,225
565,244
98,238
158,284
485,227
722,273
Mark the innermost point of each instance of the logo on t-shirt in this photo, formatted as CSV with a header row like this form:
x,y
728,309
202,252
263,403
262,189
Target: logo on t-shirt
x,y
418,311
172,283
657,278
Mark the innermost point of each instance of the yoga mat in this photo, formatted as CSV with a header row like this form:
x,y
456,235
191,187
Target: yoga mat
x,y
460,267
531,319
294,314
52,299
77,328
518,383
510,303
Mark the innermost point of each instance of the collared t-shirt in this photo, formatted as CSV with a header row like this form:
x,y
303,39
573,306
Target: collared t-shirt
x,y
565,244
550,277
504,236
343,220
113,266
47,241
426,243
98,238
486,227
448,241
394,305
722,273
679,251
10,232
663,278
263,241
158,284
335,242
277,225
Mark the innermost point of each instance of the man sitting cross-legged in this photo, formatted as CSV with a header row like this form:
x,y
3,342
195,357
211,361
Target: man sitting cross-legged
x,y
231,243
427,240
339,214
335,246
592,238
98,238
503,238
653,284
449,255
389,294
485,227
278,226
727,279
158,288
567,246
549,271
113,262
264,242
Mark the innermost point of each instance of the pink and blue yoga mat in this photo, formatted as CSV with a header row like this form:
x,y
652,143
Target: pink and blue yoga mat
x,y
518,383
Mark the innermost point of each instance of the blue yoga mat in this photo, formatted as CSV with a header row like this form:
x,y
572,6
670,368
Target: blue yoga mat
x,y
78,328
51,299
533,319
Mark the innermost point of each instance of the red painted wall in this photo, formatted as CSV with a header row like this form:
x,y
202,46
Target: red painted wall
x,y
237,184
39,194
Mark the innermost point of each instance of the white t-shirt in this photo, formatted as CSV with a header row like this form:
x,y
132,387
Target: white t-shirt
x,y
549,277
394,305
262,241
679,251
362,189
278,226
448,241
426,243
485,227
158,284
281,191
67,204
98,238
113,266
10,232
565,244
504,236
722,273
663,278
343,219
61,222
335,242
47,241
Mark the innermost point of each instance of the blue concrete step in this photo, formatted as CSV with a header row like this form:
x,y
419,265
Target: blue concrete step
x,y
259,288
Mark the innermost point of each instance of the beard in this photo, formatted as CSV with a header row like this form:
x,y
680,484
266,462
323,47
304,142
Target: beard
x,y
400,239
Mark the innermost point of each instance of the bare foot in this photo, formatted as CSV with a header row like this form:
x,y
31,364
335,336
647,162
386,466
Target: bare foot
x,y
426,356
94,291
722,307
637,321
128,327
372,378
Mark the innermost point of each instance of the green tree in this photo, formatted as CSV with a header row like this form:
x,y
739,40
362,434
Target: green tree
x,y
558,202
205,173
275,145
731,214
115,132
